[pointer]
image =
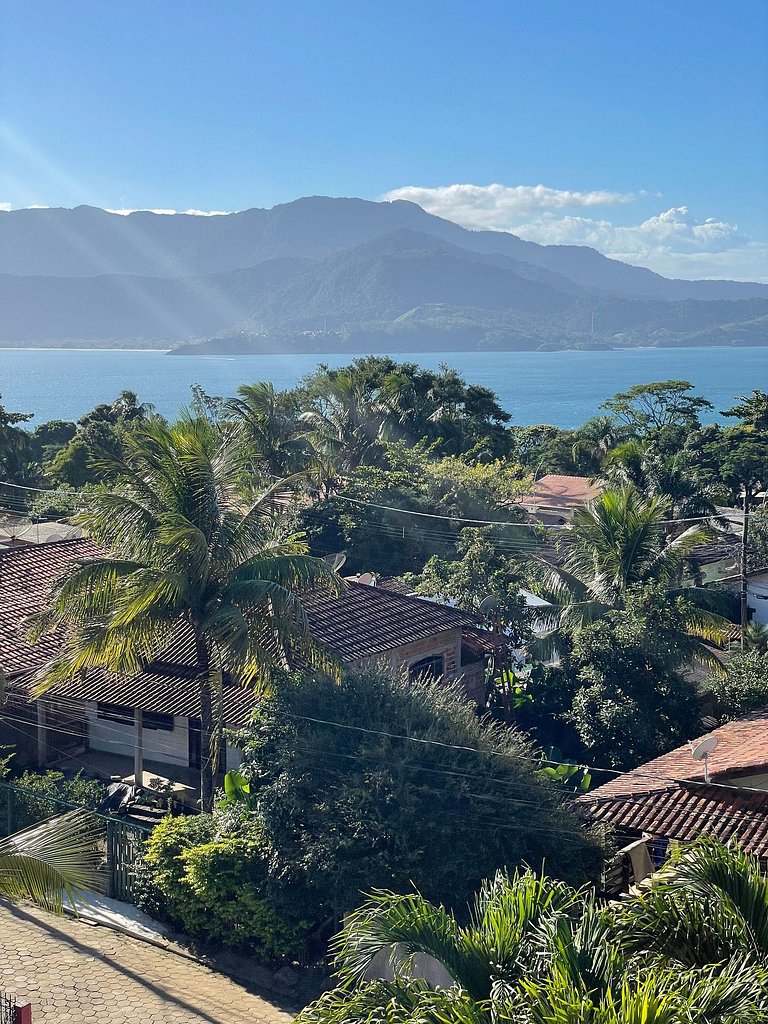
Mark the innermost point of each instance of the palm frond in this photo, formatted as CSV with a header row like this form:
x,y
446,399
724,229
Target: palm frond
x,y
56,859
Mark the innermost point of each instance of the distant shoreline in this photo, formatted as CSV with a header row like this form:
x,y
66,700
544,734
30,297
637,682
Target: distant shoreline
x,y
78,348
208,354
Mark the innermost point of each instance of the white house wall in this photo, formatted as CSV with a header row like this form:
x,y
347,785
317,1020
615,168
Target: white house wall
x,y
757,598
159,745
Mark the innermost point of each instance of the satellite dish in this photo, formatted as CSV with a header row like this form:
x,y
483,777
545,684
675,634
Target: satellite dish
x,y
487,604
336,561
700,752
367,578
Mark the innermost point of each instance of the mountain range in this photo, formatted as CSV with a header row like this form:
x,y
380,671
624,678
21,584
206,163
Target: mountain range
x,y
322,275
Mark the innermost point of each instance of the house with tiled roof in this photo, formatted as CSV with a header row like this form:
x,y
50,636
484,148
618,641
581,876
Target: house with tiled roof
x,y
153,718
676,798
554,497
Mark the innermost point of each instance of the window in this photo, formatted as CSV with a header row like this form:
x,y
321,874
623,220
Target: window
x,y
114,713
428,668
156,720
125,716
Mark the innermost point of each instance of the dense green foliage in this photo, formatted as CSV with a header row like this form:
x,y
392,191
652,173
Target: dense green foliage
x,y
383,797
211,885
743,687
403,785
692,948
618,696
41,795
186,553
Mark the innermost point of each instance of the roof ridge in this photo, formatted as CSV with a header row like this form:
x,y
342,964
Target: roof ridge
x,y
466,616
6,552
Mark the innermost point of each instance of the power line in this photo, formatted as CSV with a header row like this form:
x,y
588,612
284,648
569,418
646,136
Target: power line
x,y
414,512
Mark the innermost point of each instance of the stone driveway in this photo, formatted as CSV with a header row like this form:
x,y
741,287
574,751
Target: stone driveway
x,y
75,973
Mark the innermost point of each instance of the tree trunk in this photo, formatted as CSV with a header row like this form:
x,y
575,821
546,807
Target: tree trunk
x,y
206,724
743,565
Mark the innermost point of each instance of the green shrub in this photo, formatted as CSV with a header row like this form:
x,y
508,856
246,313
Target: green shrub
x,y
48,793
743,687
211,887
408,788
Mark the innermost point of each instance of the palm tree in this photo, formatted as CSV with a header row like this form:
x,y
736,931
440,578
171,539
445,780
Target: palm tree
x,y
756,637
348,421
51,862
272,429
536,952
640,464
185,555
619,541
496,948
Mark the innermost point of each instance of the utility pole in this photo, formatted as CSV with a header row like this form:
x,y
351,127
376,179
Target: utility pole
x,y
743,561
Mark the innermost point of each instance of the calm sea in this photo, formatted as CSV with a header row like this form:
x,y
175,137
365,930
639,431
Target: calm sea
x,y
563,388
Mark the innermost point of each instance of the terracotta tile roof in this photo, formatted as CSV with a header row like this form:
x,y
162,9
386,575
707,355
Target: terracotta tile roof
x,y
742,748
362,622
366,621
555,491
163,692
684,812
26,577
668,797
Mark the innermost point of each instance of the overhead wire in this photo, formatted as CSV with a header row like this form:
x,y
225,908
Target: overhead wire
x,y
501,802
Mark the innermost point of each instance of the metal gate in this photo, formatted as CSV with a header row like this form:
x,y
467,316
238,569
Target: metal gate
x,y
124,846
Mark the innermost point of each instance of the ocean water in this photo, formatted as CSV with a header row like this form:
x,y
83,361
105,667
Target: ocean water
x,y
562,388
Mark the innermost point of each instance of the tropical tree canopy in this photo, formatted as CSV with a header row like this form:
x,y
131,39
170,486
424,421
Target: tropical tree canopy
x,y
186,554
621,540
691,948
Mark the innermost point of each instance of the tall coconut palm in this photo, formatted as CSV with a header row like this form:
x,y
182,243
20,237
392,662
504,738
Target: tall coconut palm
x,y
621,540
183,554
656,474
348,422
51,862
272,429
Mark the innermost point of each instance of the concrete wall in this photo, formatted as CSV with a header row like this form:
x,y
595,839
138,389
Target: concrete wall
x,y
234,757
749,781
424,966
117,738
757,596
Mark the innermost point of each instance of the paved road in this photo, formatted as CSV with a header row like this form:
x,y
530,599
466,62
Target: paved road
x,y
75,973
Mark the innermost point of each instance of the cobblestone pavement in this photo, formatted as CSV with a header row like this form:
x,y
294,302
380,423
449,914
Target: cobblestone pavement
x,y
74,973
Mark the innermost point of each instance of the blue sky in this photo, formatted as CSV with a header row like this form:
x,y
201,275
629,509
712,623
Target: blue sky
x,y
645,121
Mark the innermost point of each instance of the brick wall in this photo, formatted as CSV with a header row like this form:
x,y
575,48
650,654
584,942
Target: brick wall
x,y
446,645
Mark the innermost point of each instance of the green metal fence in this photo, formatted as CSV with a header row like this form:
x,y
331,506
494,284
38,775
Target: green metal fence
x,y
120,841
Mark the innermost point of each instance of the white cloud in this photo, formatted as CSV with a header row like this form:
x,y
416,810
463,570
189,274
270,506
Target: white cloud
x,y
5,207
170,213
671,242
207,213
124,213
499,207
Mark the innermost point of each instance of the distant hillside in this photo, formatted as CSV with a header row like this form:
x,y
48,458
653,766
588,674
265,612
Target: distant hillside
x,y
319,270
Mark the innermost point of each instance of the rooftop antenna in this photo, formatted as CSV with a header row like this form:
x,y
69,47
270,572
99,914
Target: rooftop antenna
x,y
336,560
700,752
